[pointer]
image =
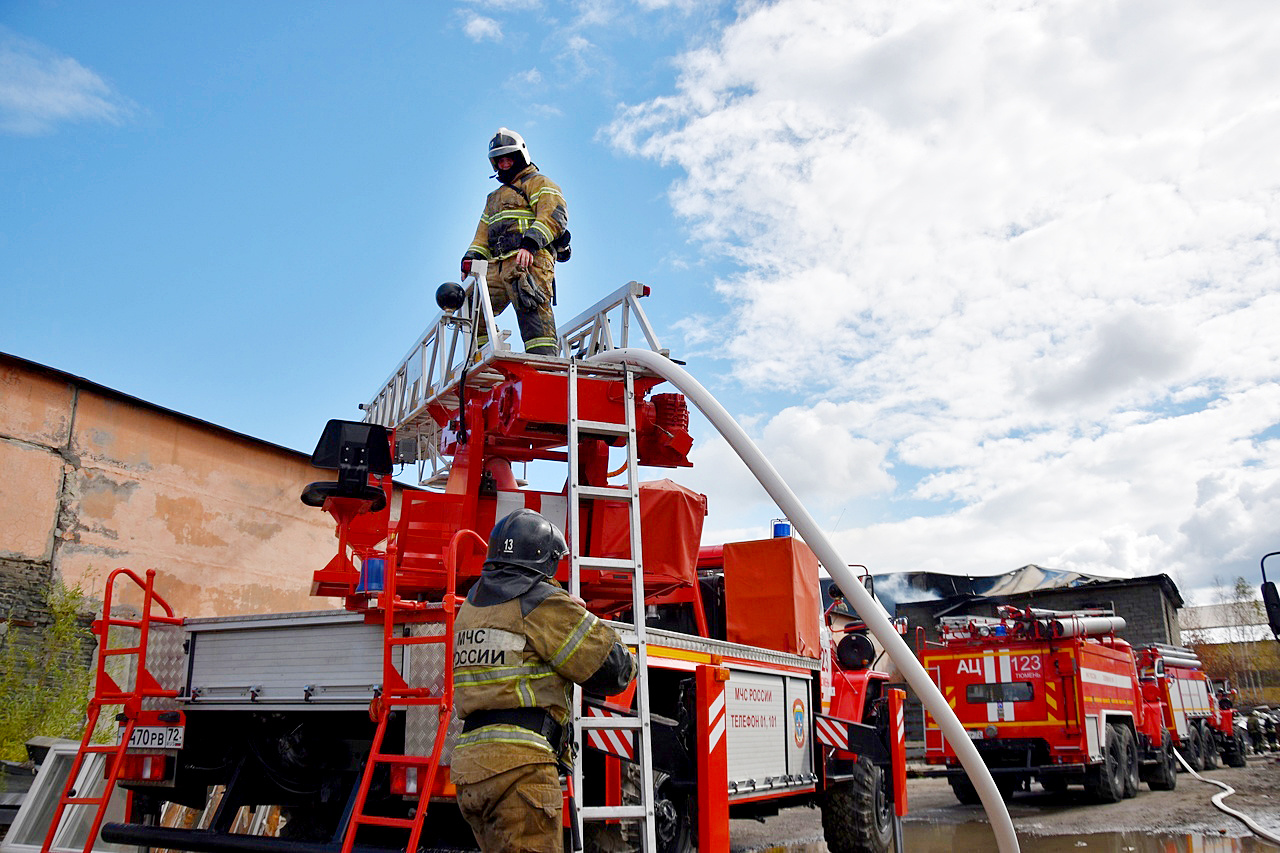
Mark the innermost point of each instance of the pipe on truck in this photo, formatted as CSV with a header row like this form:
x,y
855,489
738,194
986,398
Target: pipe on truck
x,y
1085,626
875,617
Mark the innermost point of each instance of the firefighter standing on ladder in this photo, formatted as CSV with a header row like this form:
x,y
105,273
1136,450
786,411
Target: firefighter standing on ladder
x,y
520,642
522,232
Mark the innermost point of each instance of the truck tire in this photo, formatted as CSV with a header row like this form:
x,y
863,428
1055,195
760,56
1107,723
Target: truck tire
x,y
1235,755
1165,775
964,790
1054,784
1129,746
1193,753
673,819
856,815
1209,748
1106,780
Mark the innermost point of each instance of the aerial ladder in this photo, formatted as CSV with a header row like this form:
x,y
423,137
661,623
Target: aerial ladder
x,y
428,402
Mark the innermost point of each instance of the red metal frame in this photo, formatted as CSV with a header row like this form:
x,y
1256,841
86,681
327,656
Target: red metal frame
x,y
396,692
107,692
713,759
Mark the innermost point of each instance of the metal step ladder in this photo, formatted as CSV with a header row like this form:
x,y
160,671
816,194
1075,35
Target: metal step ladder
x,y
141,687
639,724
419,771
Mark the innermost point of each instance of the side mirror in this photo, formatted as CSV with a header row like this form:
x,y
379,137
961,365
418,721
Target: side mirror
x,y
834,592
1271,598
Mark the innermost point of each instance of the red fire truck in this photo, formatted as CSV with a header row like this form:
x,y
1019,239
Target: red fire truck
x,y
1199,717
341,720
1049,696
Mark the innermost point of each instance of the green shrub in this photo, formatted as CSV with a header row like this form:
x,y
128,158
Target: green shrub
x,y
46,675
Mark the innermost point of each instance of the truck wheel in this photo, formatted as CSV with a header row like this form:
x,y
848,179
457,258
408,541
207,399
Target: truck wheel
x,y
1208,748
1054,784
673,826
1129,746
1235,755
1193,753
964,790
1165,775
1106,780
856,815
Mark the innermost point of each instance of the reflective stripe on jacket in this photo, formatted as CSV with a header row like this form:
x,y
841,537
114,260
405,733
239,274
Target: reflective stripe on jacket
x,y
524,652
532,207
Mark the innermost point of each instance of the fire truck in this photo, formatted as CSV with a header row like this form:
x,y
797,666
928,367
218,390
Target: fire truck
x,y
1199,716
1053,696
331,731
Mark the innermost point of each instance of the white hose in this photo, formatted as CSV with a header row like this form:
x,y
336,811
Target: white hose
x,y
866,606
1227,791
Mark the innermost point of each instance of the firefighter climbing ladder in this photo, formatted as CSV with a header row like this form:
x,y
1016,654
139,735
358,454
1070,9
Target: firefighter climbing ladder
x,y
639,724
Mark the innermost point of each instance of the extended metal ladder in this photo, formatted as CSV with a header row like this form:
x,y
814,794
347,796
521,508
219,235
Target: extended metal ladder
x,y
639,724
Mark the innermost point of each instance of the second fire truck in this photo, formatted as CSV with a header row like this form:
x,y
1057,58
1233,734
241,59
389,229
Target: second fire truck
x,y
1050,696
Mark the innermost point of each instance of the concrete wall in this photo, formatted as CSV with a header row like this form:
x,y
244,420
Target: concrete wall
x,y
92,480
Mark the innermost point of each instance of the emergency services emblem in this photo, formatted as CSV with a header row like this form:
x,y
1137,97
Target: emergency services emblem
x,y
797,721
487,647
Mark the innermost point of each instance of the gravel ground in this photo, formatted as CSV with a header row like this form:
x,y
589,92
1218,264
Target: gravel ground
x,y
1044,817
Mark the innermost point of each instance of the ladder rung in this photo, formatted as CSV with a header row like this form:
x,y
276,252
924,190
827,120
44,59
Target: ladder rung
x,y
602,428
610,722
613,493
83,801
419,641
610,563
607,812
407,760
373,820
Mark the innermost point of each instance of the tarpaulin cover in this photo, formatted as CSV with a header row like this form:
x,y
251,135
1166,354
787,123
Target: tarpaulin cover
x,y
671,519
771,595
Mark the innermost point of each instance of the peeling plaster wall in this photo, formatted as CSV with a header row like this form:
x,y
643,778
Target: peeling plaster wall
x,y
91,480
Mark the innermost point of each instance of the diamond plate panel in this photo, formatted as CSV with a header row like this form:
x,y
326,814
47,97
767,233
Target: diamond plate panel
x,y
427,669
166,660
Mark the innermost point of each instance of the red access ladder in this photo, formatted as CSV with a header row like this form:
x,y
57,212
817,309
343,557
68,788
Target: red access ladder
x,y
107,692
396,693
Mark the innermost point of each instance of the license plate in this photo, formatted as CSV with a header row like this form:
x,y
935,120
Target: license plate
x,y
156,737
975,734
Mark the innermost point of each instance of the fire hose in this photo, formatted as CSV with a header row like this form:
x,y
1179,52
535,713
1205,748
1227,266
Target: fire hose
x,y
868,609
1227,791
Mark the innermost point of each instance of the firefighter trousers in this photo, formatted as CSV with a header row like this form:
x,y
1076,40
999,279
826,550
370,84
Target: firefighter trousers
x,y
530,291
518,811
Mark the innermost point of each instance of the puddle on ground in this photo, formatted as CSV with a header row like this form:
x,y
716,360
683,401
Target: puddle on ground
x,y
971,838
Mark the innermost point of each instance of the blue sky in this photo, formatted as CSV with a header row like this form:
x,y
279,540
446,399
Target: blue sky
x,y
992,285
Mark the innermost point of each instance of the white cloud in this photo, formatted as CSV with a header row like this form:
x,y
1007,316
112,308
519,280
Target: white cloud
x,y
479,28
1028,250
40,89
